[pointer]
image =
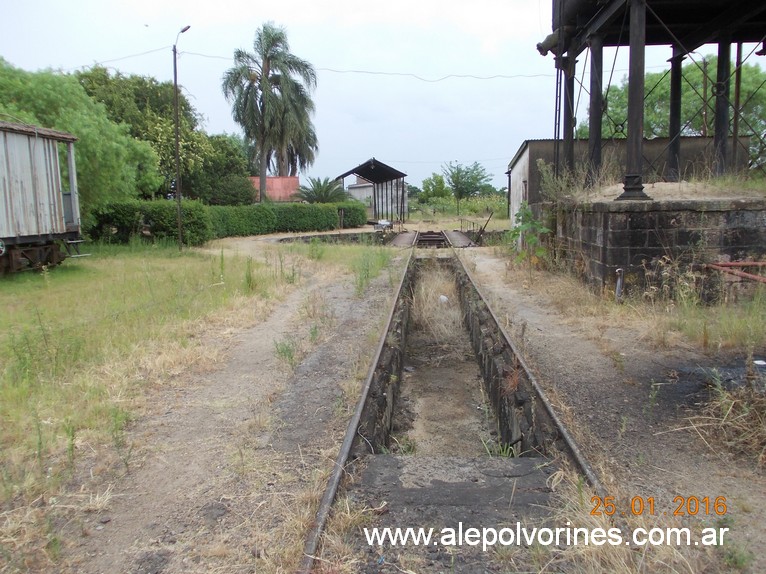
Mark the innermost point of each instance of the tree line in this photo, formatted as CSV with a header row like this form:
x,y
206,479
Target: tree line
x,y
697,105
125,126
456,181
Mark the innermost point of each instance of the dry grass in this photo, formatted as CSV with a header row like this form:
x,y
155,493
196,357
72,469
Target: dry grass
x,y
436,307
735,420
124,336
574,504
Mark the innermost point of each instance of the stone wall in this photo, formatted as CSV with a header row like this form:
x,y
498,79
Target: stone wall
x,y
599,238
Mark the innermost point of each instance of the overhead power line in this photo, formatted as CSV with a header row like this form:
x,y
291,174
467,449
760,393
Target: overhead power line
x,y
434,80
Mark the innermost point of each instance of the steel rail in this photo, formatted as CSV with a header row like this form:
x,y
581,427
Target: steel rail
x,y
312,541
575,451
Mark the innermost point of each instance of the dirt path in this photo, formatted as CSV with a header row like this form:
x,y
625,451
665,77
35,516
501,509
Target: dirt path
x,y
227,464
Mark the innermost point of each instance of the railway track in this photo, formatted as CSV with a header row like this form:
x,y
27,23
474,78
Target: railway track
x,y
508,437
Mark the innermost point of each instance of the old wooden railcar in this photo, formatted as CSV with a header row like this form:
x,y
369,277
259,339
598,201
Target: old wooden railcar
x,y
39,206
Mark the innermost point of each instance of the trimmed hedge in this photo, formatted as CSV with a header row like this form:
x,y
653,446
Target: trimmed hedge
x,y
119,221
162,218
242,220
354,213
116,222
305,216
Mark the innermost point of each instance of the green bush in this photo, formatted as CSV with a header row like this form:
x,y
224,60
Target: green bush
x,y
484,204
239,221
305,217
118,221
354,213
230,190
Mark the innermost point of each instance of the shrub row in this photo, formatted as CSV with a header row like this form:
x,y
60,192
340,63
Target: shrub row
x,y
242,220
118,221
354,213
305,216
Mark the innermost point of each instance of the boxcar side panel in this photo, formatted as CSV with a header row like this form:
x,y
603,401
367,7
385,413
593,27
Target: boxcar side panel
x,y
6,205
32,202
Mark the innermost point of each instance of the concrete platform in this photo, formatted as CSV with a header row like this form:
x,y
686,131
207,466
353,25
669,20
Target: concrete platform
x,y
413,491
459,239
404,239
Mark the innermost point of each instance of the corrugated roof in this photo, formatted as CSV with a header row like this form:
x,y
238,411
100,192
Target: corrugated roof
x,y
688,22
37,131
374,171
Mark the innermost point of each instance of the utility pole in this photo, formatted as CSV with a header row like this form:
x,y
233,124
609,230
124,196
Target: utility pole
x,y
178,155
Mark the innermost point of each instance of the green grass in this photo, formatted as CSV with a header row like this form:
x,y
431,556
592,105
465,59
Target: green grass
x,y
365,262
367,265
287,351
725,326
73,340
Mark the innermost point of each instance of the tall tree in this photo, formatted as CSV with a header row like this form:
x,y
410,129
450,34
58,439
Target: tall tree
x,y
146,107
111,164
433,186
465,181
697,105
223,177
269,91
295,142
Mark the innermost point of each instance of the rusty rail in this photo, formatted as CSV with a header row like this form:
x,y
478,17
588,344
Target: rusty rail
x,y
312,541
574,450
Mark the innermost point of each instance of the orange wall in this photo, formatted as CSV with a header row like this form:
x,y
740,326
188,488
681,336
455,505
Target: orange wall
x,y
278,188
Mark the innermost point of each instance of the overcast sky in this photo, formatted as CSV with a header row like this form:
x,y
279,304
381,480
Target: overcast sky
x,y
414,83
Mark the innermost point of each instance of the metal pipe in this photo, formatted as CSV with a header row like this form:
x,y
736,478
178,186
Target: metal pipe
x,y
742,274
722,90
569,119
674,120
737,98
633,186
741,264
596,106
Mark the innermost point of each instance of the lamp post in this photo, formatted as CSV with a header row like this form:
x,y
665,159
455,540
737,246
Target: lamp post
x,y
178,161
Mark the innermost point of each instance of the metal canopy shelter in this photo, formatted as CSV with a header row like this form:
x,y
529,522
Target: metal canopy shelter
x,y
389,192
685,25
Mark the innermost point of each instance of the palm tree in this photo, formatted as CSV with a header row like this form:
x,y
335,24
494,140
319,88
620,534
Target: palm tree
x,y
295,141
269,90
322,191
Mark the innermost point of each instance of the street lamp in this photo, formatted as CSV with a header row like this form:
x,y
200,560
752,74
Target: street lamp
x,y
178,161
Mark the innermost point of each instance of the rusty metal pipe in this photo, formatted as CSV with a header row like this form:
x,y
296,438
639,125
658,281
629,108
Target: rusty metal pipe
x,y
742,274
741,264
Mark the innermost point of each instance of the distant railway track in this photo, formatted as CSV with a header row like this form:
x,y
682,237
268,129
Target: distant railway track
x,y
526,423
